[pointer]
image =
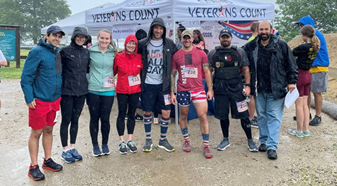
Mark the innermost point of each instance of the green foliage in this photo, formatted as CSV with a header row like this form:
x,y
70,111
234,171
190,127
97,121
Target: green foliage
x,y
12,72
32,15
324,13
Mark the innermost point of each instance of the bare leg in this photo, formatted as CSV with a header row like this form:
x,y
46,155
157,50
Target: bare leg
x,y
201,109
33,145
47,141
251,107
318,103
299,113
183,116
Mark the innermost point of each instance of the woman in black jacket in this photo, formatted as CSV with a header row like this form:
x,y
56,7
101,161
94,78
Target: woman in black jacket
x,y
75,63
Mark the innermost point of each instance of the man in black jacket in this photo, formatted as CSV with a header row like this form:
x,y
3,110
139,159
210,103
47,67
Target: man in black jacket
x,y
274,72
157,51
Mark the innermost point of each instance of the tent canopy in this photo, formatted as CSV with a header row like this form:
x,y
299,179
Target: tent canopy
x,y
143,11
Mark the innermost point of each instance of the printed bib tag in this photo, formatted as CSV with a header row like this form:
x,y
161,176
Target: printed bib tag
x,y
167,99
109,82
134,80
191,72
56,116
242,106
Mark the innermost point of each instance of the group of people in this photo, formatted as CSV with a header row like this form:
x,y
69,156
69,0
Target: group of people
x,y
147,69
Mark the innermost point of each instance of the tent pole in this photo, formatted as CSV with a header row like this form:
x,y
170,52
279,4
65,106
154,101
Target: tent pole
x,y
175,85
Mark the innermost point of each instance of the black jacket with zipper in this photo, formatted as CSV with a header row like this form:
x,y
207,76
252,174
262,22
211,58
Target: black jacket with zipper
x,y
75,64
169,48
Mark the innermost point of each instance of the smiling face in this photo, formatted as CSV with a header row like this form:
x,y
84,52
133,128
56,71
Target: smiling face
x,y
264,30
187,41
104,39
54,39
157,32
225,41
80,39
130,47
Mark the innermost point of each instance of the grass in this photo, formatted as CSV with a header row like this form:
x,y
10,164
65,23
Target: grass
x,y
24,52
12,72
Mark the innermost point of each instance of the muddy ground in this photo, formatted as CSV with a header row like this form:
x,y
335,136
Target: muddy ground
x,y
310,160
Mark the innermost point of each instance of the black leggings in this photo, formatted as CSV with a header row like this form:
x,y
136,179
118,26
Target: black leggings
x,y
245,124
123,101
71,108
99,108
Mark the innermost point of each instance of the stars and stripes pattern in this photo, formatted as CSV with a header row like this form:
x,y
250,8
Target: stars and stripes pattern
x,y
240,29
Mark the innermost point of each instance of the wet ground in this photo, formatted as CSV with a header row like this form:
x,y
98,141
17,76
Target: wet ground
x,y
302,161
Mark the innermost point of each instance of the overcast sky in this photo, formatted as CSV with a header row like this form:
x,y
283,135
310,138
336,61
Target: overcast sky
x,y
77,6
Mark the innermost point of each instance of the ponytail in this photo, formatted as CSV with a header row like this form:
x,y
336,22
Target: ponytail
x,y
315,43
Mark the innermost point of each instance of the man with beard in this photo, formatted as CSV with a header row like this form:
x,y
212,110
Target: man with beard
x,y
189,62
228,61
274,73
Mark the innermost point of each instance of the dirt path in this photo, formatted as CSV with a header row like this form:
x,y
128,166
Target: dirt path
x,y
305,161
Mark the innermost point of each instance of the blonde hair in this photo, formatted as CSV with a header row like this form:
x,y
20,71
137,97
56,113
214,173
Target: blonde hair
x,y
309,31
111,43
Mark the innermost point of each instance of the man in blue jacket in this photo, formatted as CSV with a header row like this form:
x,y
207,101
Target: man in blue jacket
x,y
319,71
41,84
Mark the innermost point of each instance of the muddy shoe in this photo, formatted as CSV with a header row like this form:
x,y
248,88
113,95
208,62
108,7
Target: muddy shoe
x,y
316,121
223,144
148,145
132,146
164,144
51,165
35,173
187,146
208,154
122,148
252,146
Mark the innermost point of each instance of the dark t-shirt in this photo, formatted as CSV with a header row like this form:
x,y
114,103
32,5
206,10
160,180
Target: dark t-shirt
x,y
305,56
263,66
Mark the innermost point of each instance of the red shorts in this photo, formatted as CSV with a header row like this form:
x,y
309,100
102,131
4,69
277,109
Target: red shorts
x,y
45,113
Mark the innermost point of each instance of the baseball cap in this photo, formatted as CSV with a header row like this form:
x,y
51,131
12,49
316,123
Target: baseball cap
x,y
55,29
187,33
226,32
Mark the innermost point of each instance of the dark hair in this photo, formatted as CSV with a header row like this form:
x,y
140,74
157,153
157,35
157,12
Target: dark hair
x,y
200,37
140,34
88,40
309,31
181,28
254,26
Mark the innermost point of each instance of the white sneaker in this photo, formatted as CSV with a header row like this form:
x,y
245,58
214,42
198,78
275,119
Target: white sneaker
x,y
155,121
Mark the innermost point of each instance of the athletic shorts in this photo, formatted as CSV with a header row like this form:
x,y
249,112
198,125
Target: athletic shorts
x,y
185,98
153,95
304,82
45,113
319,82
223,102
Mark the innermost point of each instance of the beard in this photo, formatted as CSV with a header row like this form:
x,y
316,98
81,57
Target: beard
x,y
264,37
225,44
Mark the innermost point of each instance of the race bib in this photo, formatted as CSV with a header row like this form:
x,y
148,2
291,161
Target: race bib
x,y
109,82
167,99
56,116
242,106
134,80
191,72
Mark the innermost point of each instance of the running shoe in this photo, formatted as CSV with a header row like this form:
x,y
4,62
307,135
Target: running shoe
x,y
164,144
155,121
35,173
122,148
67,157
132,146
96,151
294,132
51,165
186,146
148,145
105,150
223,144
208,154
252,146
75,154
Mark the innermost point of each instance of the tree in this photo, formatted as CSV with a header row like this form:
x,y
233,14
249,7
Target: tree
x,y
324,13
32,15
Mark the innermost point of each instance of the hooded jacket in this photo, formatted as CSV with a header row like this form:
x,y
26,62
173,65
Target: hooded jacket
x,y
169,48
75,64
283,68
125,65
321,61
41,75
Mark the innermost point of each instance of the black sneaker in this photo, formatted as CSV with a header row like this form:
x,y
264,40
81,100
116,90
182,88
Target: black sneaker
x,y
138,117
316,121
132,146
51,165
35,173
263,147
253,122
122,148
272,155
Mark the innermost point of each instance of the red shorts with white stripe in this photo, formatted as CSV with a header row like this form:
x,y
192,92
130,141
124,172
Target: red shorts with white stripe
x,y
186,97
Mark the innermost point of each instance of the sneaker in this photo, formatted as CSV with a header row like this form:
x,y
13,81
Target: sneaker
x,y
132,146
75,154
126,117
253,122
207,152
67,156
223,144
138,117
263,147
148,145
294,132
35,173
155,121
122,148
105,150
316,121
252,146
51,165
272,155
164,144
187,146
96,151
306,133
